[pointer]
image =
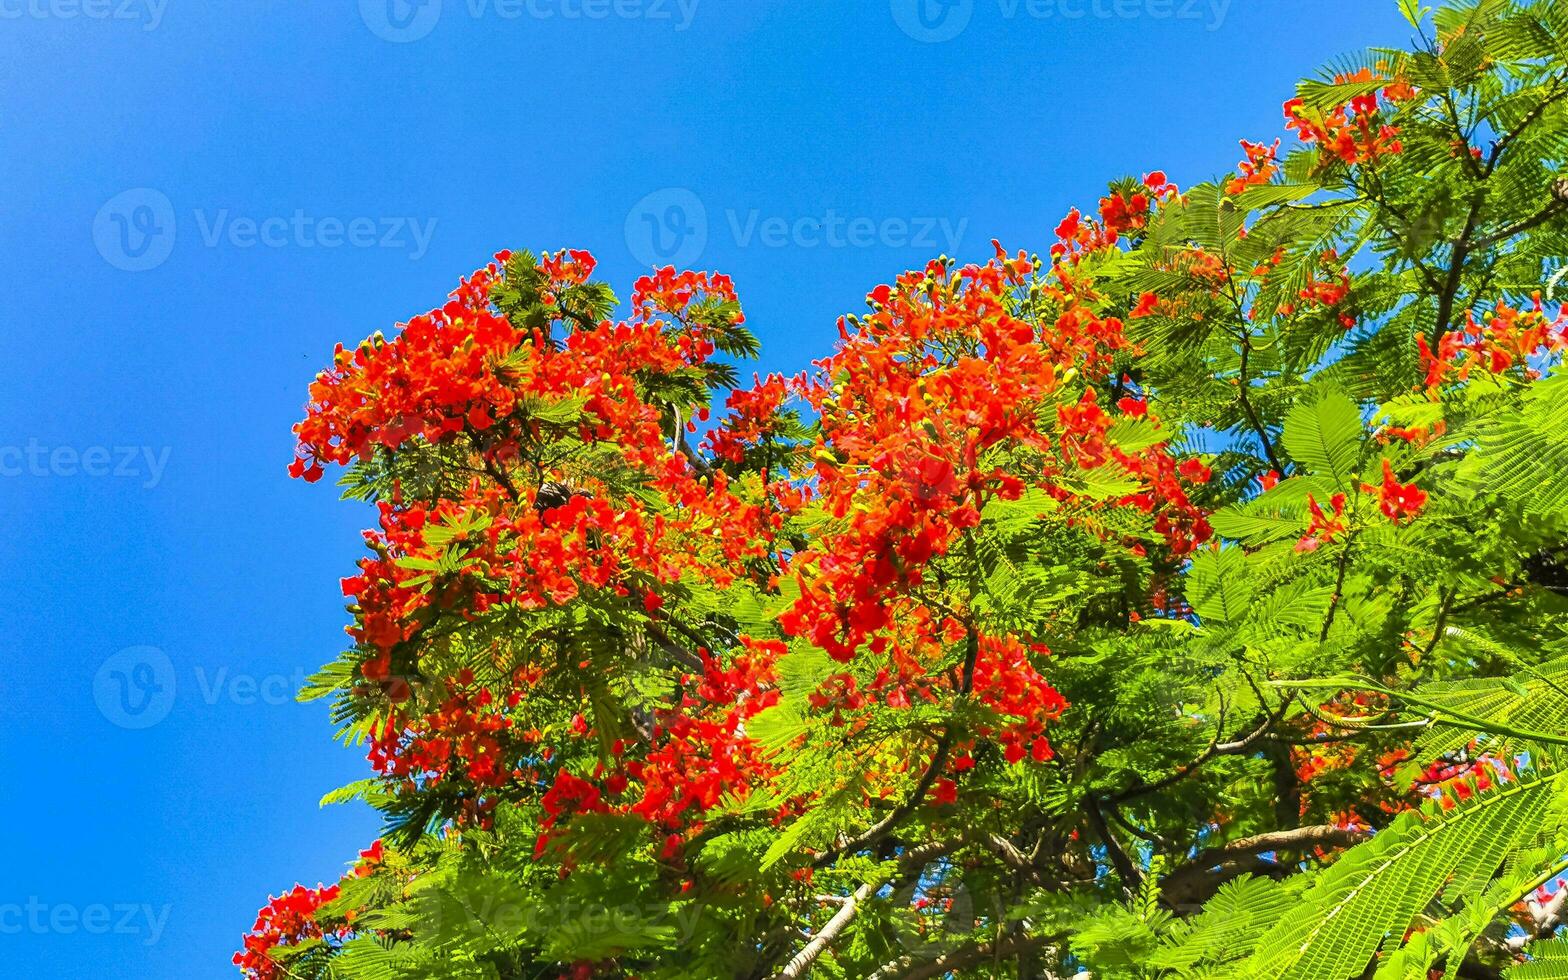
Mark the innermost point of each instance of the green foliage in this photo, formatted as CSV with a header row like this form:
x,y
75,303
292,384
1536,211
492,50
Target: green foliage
x,y
1326,745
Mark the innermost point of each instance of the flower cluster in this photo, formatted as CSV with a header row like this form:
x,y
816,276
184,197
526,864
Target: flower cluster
x,y
447,370
910,428
1007,682
1259,168
670,293
548,548
1327,287
1398,501
1353,133
466,371
703,752
1127,210
1324,527
287,920
1509,337
469,731
753,417
698,755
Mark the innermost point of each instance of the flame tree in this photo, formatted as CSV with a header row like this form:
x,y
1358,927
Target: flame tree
x,y
1186,600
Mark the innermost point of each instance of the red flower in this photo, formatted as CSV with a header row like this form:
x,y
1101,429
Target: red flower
x,y
1399,501
944,792
1356,136
1194,471
287,920
1324,528
1259,168
1508,339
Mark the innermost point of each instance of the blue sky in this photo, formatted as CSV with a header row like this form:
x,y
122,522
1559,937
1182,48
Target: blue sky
x,y
200,199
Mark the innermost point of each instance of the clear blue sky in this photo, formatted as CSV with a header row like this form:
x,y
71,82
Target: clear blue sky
x,y
200,198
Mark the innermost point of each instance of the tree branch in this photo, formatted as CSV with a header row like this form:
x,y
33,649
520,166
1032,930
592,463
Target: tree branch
x,y
1125,869
909,968
1520,227
912,861
1216,748
1216,864
801,962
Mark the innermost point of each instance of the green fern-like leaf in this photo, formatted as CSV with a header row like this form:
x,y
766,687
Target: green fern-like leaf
x,y
1372,894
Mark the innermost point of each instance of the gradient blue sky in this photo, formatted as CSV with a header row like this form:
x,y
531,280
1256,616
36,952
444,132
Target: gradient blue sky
x,y
199,199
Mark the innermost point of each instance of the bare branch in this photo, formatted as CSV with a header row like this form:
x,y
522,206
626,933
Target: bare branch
x,y
911,863
909,968
819,943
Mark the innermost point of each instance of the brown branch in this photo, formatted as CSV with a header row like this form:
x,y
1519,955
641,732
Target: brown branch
x,y
1339,588
1137,831
1125,869
1530,118
1252,414
1217,864
909,968
1297,838
1441,625
1241,381
1216,748
911,862
883,827
1456,268
801,962
1520,227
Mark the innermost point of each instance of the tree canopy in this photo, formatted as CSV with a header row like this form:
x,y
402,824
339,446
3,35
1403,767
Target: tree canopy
x,y
1189,600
